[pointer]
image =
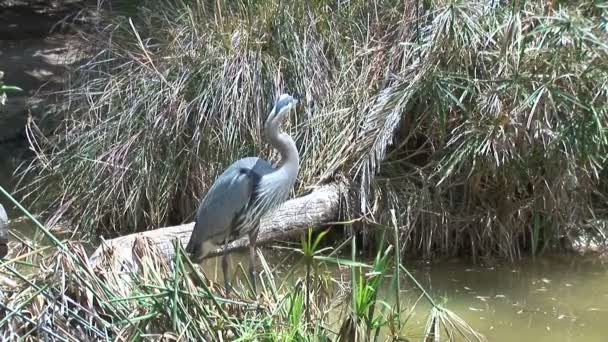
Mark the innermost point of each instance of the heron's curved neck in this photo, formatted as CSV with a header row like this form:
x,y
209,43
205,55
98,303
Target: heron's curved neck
x,y
287,148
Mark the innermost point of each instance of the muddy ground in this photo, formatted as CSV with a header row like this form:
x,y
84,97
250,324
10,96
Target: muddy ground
x,y
38,45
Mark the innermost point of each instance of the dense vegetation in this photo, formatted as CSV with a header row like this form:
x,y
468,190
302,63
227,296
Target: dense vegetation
x,y
482,122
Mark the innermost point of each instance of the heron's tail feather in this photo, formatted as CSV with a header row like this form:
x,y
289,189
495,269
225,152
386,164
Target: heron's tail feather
x,y
198,250
190,248
194,243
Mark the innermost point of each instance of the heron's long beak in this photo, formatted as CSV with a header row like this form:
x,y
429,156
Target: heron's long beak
x,y
284,109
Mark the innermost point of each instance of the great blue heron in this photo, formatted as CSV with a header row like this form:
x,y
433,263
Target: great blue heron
x,y
247,190
3,232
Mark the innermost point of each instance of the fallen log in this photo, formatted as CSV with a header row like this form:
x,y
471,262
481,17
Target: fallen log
x,y
317,209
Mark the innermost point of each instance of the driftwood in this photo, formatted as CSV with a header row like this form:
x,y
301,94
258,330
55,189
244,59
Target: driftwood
x,y
317,209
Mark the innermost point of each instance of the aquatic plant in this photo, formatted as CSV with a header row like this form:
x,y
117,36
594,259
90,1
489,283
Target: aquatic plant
x,y
482,123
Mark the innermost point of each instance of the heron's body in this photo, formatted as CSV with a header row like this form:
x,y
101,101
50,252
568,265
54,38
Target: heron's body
x,y
246,191
239,189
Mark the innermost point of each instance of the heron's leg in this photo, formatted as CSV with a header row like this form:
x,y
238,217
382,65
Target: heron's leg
x,y
225,268
253,235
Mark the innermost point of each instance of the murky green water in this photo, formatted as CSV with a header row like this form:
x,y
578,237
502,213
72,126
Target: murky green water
x,y
562,298
552,298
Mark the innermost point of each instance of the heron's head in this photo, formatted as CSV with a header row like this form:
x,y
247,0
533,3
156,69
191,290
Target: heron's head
x,y
282,106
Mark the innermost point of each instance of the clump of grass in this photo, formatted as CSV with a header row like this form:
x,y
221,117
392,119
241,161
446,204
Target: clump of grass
x,y
67,299
483,123
501,144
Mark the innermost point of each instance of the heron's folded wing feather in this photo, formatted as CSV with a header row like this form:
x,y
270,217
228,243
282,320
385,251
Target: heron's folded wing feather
x,y
229,194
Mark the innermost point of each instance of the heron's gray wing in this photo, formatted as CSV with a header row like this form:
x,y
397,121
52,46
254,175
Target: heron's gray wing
x,y
228,196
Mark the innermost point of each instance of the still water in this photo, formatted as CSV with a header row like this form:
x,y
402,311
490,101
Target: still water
x,y
554,298
550,298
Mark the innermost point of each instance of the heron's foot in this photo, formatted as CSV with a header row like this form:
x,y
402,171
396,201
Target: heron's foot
x,y
227,287
253,279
